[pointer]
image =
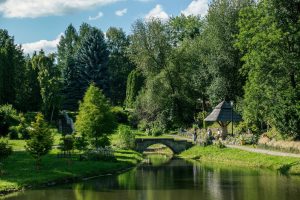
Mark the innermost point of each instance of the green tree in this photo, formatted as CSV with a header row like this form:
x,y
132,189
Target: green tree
x,y
91,60
49,78
269,32
11,68
119,65
67,49
223,59
41,140
94,119
135,83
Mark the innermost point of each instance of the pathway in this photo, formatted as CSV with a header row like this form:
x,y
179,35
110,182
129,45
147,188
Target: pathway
x,y
264,151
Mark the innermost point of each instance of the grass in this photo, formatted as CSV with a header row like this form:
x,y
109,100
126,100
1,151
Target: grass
x,y
20,171
240,158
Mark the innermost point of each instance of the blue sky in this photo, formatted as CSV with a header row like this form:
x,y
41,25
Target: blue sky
x,y
39,23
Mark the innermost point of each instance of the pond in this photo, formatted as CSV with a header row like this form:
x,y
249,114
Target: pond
x,y
172,179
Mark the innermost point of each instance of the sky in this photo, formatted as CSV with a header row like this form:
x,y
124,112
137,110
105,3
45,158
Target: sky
x,y
39,24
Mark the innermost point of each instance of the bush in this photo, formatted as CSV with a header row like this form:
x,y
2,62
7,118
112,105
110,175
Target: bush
x,y
67,143
5,149
81,143
101,142
8,117
126,138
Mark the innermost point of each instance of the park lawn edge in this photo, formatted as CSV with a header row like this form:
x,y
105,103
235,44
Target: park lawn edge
x,y
240,158
126,160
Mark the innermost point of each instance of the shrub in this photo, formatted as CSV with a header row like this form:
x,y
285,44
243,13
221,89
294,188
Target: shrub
x,y
8,117
126,138
5,149
81,143
67,143
101,142
41,140
100,154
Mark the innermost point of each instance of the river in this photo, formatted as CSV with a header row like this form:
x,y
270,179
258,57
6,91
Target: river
x,y
162,178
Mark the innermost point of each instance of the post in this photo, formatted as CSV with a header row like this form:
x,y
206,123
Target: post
x,y
231,103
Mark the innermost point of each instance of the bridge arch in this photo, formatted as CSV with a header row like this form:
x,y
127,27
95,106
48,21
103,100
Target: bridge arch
x,y
177,146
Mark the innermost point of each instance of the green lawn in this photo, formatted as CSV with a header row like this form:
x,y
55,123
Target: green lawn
x,y
236,157
20,171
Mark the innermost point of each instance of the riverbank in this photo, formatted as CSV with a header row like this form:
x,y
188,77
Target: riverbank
x,y
19,171
240,158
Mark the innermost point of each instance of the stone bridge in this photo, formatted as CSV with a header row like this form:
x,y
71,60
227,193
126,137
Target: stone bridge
x,y
177,146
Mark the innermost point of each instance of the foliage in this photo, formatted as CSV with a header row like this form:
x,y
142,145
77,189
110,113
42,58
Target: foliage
x,y
5,149
135,82
8,118
95,118
125,138
67,143
81,143
119,65
268,34
121,115
11,69
41,140
91,61
50,83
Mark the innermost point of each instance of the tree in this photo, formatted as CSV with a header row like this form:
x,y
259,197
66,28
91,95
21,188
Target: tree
x,y
91,60
269,39
49,78
223,59
41,140
119,64
135,83
67,49
94,119
11,68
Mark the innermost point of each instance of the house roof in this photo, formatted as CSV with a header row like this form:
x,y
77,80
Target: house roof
x,y
222,112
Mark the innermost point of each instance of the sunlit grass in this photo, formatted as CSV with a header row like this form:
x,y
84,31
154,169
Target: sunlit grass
x,y
236,157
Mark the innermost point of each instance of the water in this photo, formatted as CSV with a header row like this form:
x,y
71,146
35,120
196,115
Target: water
x,y
173,179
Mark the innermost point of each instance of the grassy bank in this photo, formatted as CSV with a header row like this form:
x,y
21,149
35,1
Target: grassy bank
x,y
20,172
236,157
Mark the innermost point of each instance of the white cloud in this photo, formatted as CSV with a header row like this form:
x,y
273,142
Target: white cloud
x,y
99,15
157,13
121,12
39,8
46,45
196,7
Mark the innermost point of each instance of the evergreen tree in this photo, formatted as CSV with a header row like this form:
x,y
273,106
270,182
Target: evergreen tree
x,y
94,119
91,60
41,140
135,83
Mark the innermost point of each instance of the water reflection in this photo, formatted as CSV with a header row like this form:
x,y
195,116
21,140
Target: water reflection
x,y
174,179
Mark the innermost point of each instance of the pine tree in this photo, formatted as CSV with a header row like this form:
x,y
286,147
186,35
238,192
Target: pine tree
x,y
41,140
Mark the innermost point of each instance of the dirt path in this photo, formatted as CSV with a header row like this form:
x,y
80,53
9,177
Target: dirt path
x,y
264,151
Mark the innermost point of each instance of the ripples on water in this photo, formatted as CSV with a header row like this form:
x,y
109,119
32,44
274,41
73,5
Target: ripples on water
x,y
173,179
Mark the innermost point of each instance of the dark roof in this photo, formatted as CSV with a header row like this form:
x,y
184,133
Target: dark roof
x,y
222,112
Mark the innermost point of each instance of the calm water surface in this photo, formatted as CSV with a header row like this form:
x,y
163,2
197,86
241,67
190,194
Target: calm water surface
x,y
174,179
